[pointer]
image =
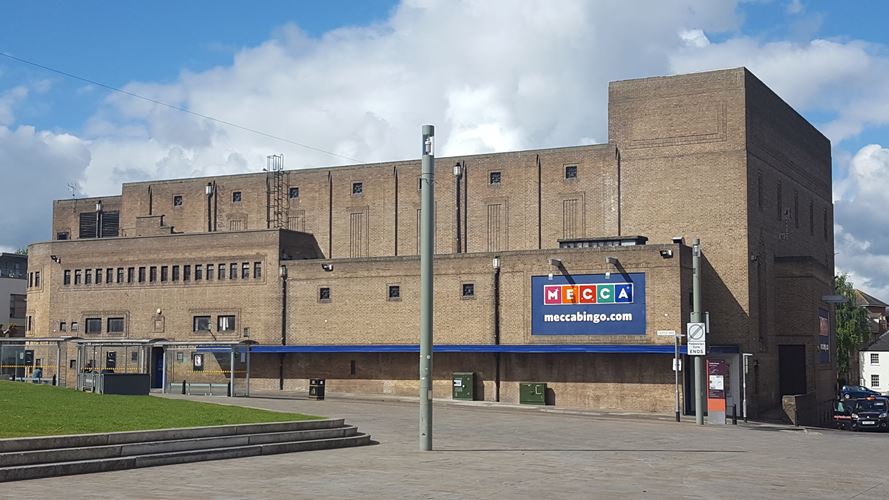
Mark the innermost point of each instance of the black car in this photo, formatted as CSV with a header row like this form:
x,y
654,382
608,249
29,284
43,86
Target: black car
x,y
871,413
842,414
857,392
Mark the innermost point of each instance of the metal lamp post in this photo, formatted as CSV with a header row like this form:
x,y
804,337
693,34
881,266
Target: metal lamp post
x,y
427,242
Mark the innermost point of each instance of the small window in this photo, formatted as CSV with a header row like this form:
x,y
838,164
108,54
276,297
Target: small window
x,y
468,290
165,273
37,279
63,326
29,323
77,276
210,271
494,178
177,200
225,324
152,274
142,274
394,292
62,235
30,280
115,325
233,271
875,380
75,327
198,272
131,273
88,276
419,183
293,192
245,271
186,272
66,277
874,358
571,172
175,273
94,325
201,324
257,270
324,294
98,276
357,188
134,356
109,275
220,274
236,197
120,275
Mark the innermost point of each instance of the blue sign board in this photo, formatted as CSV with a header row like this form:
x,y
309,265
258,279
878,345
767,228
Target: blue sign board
x,y
588,304
824,336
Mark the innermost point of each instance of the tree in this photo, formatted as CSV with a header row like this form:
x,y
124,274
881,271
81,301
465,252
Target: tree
x,y
22,251
851,325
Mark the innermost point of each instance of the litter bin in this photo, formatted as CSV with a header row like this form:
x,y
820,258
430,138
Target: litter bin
x,y
463,386
316,388
532,393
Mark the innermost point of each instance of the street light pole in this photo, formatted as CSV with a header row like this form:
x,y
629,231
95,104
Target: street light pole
x,y
696,318
426,245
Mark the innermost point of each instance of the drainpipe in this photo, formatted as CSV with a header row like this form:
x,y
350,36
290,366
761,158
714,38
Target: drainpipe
x,y
282,271
496,263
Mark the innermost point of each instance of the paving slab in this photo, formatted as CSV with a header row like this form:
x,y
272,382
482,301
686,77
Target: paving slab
x,y
489,451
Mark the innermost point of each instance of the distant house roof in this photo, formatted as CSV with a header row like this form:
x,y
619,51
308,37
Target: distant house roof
x,y
864,300
881,344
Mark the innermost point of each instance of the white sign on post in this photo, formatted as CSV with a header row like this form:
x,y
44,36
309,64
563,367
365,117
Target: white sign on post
x,y
697,339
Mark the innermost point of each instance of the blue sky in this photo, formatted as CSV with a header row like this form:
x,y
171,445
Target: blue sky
x,y
358,78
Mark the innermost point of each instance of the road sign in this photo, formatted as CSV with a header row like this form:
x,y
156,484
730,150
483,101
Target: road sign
x,y
666,333
697,339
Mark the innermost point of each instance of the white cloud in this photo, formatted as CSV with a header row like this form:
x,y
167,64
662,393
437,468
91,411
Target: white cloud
x,y
795,7
8,100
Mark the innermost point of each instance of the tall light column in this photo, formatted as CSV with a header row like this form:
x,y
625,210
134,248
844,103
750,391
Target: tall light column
x,y
427,243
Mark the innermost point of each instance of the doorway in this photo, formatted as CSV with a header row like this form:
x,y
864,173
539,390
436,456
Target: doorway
x,y
792,369
157,367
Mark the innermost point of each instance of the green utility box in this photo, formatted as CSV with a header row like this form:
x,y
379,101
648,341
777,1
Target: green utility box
x,y
464,386
532,393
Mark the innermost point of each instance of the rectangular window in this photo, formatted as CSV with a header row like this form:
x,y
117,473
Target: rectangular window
x,y
115,325
29,323
811,218
109,275
37,279
257,270
826,228
494,178
131,274
780,204
220,271
99,276
759,190
74,327
210,272
236,197
796,209
152,274
394,292
177,200
468,290
165,273
186,272
198,272
175,273
874,358
225,324
142,274
63,327
201,324
77,276
233,271
293,192
88,276
324,294
66,277
62,235
245,271
875,380
120,275
94,325
357,188
30,280
571,172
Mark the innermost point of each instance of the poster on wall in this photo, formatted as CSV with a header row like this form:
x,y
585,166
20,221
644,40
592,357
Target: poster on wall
x,y
824,336
588,304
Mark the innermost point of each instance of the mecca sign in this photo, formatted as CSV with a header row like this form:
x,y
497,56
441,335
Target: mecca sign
x,y
588,304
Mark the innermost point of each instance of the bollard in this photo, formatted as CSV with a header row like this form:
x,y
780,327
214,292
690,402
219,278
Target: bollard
x,y
183,387
229,390
54,380
734,414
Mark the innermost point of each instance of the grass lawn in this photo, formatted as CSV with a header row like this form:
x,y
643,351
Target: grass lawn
x,y
42,410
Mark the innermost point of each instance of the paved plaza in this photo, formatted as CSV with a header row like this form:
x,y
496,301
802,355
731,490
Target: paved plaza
x,y
488,451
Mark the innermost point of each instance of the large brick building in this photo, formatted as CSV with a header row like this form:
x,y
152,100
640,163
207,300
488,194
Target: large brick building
x,y
319,266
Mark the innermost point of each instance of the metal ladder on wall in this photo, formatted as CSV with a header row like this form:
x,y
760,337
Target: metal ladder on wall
x,y
275,169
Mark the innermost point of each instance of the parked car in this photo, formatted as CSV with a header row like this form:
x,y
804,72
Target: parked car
x,y
857,392
871,413
842,414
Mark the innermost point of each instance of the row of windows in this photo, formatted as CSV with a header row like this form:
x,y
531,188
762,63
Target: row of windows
x,y
394,292
784,215
34,279
93,326
163,274
224,323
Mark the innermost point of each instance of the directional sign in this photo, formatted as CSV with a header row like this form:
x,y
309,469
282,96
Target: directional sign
x,y
697,339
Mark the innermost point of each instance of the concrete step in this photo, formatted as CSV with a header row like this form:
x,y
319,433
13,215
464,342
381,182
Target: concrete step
x,y
111,438
34,471
81,453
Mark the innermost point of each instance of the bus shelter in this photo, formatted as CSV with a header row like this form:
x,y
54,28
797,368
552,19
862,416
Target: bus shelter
x,y
97,356
42,360
211,368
